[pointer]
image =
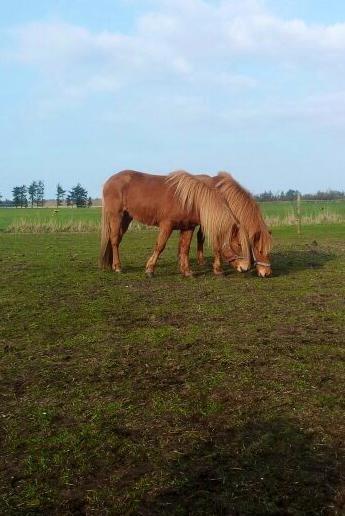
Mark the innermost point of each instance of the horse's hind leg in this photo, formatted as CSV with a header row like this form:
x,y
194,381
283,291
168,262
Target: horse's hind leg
x,y
184,247
119,223
200,248
165,231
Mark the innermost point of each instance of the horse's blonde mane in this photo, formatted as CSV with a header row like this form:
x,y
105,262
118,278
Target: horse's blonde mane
x,y
217,219
246,211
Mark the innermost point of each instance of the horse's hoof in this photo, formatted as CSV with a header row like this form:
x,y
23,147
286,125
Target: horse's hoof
x,y
188,274
201,262
149,274
218,273
118,271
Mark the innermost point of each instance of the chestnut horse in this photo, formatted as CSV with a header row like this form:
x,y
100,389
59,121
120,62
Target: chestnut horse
x,y
153,200
248,215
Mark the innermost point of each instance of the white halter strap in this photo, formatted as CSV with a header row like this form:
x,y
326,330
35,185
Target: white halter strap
x,y
257,262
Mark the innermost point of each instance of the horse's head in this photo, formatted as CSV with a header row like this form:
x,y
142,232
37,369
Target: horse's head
x,y
262,264
233,252
261,259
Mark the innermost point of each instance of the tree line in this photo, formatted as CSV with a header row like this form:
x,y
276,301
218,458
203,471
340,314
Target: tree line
x,y
77,196
33,195
291,195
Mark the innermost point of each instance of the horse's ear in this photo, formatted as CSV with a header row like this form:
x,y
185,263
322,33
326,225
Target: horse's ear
x,y
270,231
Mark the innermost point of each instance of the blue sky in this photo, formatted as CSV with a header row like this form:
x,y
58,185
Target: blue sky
x,y
254,87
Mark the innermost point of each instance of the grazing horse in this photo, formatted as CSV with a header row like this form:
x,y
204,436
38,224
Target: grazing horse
x,y
153,200
248,215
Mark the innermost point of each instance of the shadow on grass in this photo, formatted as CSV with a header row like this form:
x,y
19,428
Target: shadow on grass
x,y
284,262
266,467
289,261
171,268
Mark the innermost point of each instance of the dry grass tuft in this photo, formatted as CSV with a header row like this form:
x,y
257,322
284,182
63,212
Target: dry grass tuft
x,y
67,226
70,226
325,217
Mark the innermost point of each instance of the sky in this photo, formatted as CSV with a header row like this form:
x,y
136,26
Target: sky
x,y
253,87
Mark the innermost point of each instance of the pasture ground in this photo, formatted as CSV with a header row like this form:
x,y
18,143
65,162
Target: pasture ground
x,y
204,396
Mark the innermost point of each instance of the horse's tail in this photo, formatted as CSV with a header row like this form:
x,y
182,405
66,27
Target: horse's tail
x,y
216,218
106,251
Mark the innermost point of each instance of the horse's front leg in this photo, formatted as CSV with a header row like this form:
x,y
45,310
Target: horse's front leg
x,y
165,231
217,263
200,247
186,236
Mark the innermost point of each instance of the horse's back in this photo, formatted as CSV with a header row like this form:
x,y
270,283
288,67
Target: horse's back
x,y
148,198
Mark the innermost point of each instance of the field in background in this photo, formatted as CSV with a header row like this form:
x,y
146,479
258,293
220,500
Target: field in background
x,y
277,213
37,216
313,212
124,395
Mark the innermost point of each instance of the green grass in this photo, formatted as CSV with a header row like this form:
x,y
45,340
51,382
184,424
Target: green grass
x,y
29,220
124,395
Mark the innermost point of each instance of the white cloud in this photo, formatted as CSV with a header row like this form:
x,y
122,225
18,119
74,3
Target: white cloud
x,y
193,43
177,35
329,108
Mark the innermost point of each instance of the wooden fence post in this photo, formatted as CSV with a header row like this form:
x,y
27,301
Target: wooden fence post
x,y
299,217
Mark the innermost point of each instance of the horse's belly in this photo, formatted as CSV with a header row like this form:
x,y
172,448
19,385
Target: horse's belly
x,y
184,224
144,214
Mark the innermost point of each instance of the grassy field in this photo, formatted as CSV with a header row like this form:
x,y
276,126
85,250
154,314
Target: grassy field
x,y
10,216
207,396
283,209
87,219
